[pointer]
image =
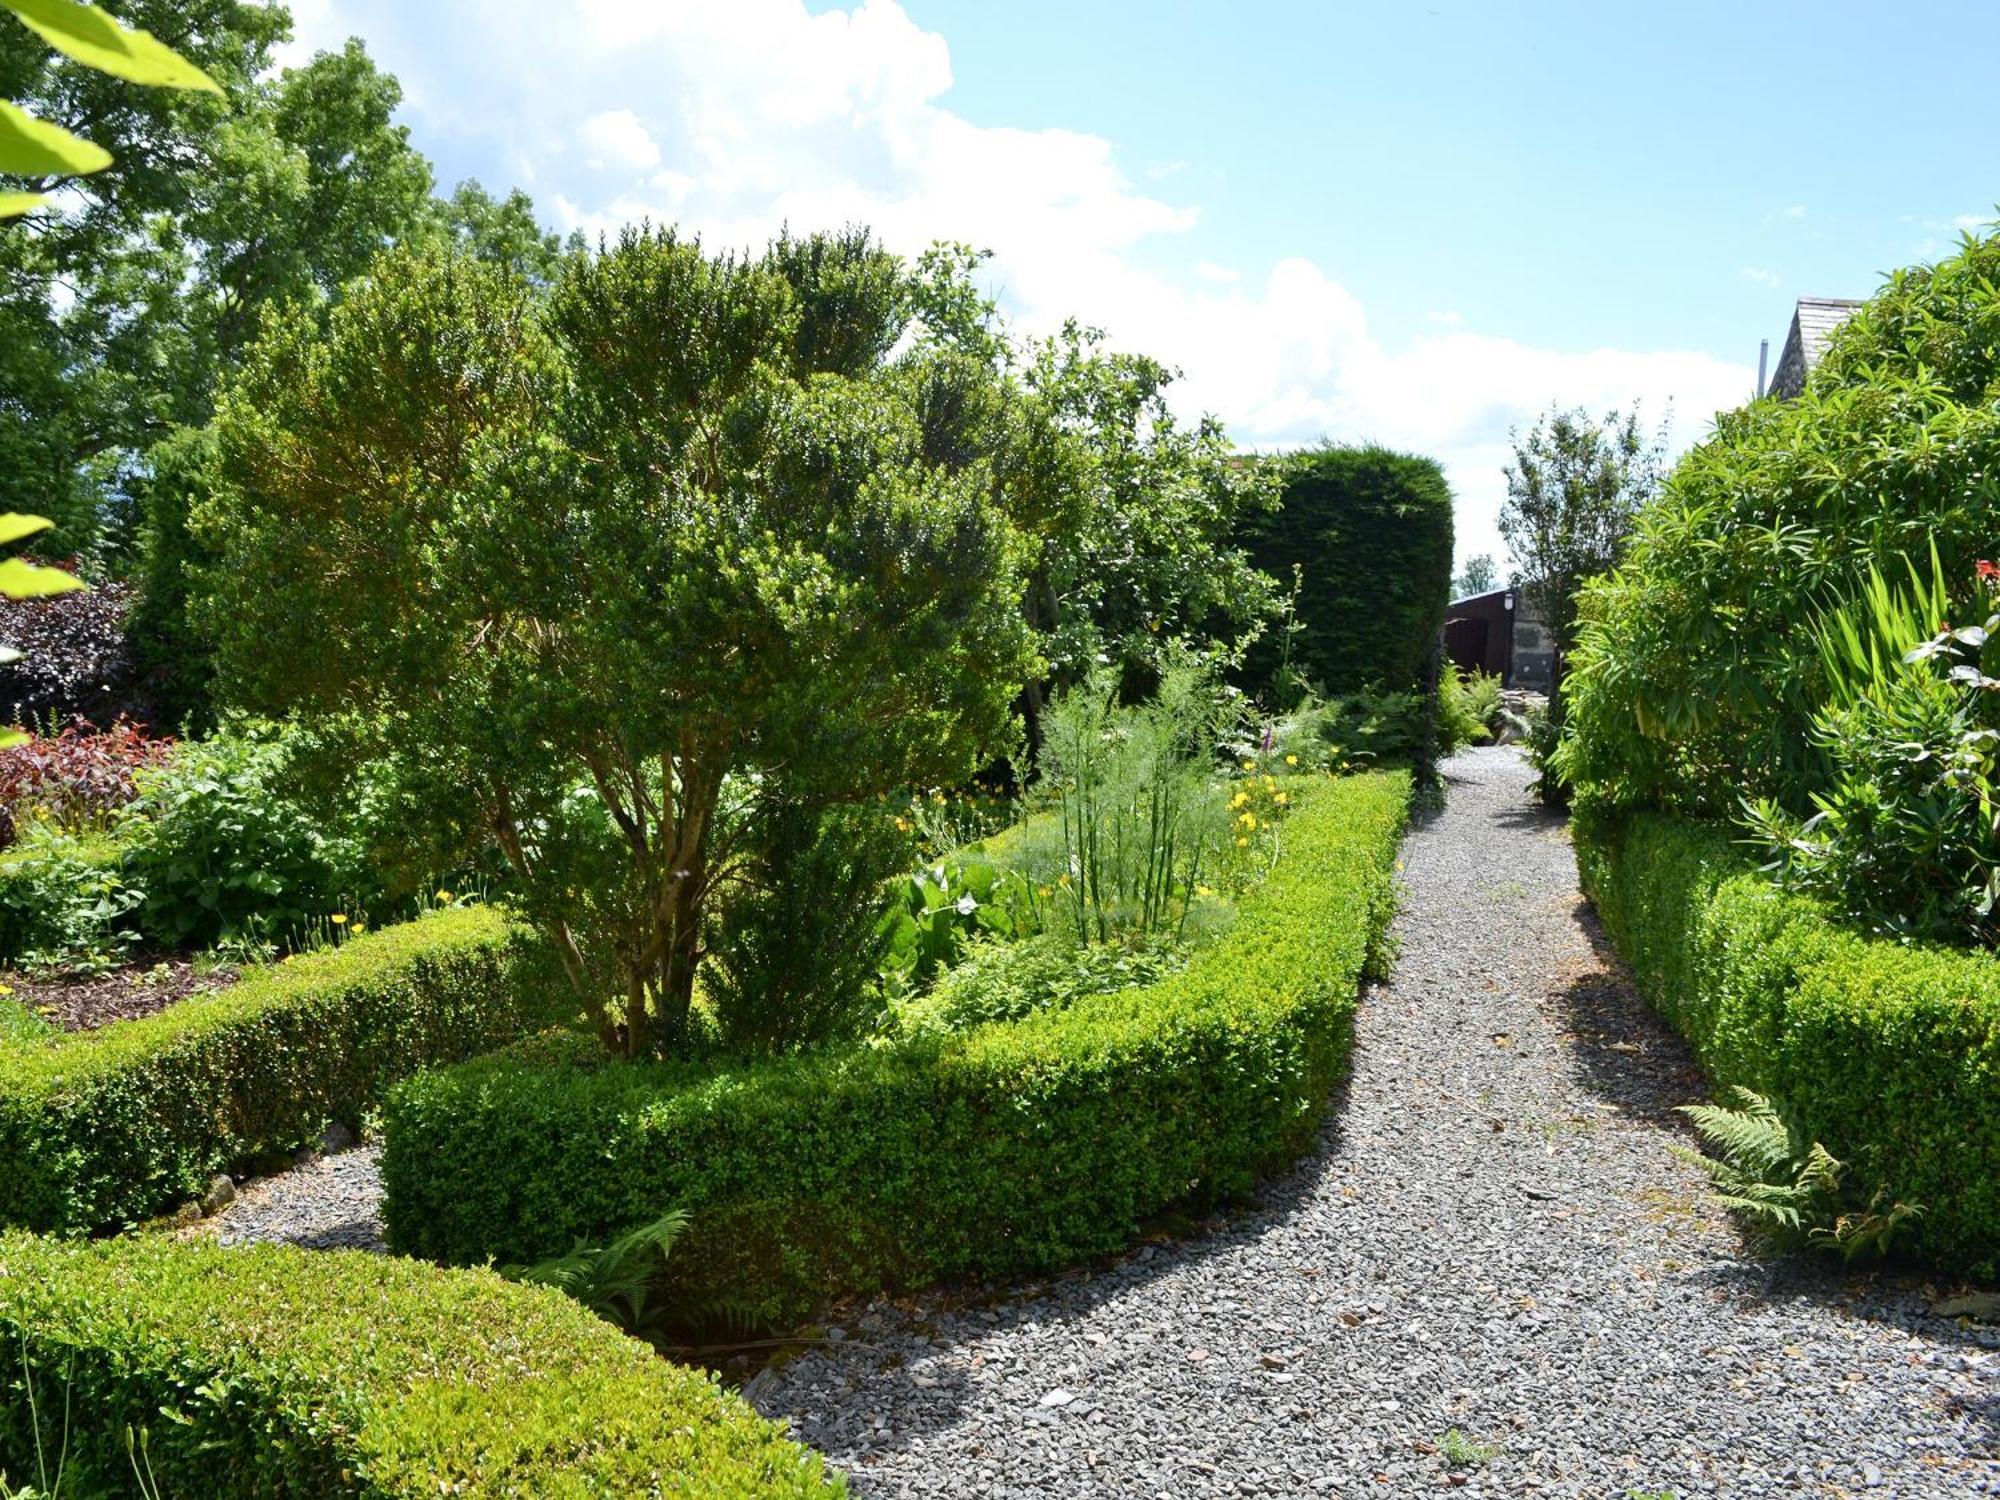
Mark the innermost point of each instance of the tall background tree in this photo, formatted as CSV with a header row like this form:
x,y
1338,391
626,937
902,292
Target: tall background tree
x,y
1574,490
1476,577
128,293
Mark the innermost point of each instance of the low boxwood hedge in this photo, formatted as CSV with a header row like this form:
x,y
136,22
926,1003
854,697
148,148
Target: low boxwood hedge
x,y
270,1371
1886,1052
1016,1147
104,1128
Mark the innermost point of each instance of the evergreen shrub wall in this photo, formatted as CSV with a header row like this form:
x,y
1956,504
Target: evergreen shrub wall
x,y
1017,1147
1370,530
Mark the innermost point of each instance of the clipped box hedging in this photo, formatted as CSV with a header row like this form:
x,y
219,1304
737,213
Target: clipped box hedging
x,y
270,1371
1014,1148
108,1127
1887,1053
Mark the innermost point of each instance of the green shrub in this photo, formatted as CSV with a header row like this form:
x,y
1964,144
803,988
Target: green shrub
x,y
1005,981
1014,1147
169,643
269,1371
1887,1053
795,954
216,847
1468,708
62,893
108,1127
1369,531
1693,683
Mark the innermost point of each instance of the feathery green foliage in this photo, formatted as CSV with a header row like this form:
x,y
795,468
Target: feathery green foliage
x,y
1692,684
615,1279
1787,1190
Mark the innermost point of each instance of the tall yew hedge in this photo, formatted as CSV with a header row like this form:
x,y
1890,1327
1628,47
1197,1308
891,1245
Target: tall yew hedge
x,y
1369,531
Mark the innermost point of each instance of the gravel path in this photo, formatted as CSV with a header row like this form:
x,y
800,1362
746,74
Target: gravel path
x,y
1492,1242
330,1202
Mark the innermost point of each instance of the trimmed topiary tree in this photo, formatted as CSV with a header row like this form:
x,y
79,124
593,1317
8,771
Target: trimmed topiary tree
x,y
1367,532
604,572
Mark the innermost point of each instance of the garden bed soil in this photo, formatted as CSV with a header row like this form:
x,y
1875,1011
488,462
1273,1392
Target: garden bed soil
x,y
83,1002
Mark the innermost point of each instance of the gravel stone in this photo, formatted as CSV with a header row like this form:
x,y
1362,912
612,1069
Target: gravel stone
x,y
1492,1237
330,1202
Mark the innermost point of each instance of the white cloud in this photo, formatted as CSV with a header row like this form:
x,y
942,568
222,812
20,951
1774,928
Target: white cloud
x,y
1445,317
734,119
616,139
1759,275
1968,223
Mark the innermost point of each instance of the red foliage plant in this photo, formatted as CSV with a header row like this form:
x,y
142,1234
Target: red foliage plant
x,y
75,779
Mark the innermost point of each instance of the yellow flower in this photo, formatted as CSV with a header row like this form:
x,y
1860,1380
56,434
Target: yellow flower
x,y
1248,820
1204,890
1270,783
1243,843
1291,760
1249,765
1047,890
1282,799
339,919
938,798
902,825
1238,800
444,898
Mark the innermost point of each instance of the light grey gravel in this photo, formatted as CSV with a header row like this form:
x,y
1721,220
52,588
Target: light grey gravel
x,y
329,1202
1491,1238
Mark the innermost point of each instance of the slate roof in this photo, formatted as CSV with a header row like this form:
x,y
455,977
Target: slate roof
x,y
1814,322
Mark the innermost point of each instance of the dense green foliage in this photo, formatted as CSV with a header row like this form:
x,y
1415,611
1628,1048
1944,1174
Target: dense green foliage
x,y
1014,1147
1697,677
623,572
221,842
107,1127
1903,837
1887,1053
268,1371
1367,532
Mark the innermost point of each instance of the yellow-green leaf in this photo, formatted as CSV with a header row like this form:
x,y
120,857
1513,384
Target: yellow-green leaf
x,y
93,38
15,527
9,738
26,580
13,205
8,654
35,148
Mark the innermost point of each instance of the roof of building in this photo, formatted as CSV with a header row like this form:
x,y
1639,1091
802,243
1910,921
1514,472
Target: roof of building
x,y
1814,322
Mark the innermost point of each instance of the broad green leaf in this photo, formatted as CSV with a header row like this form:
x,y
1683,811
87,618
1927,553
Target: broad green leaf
x,y
9,738
15,527
35,148
13,205
25,580
94,39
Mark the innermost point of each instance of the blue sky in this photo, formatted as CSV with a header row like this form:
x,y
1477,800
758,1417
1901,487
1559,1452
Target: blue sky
x,y
1420,223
